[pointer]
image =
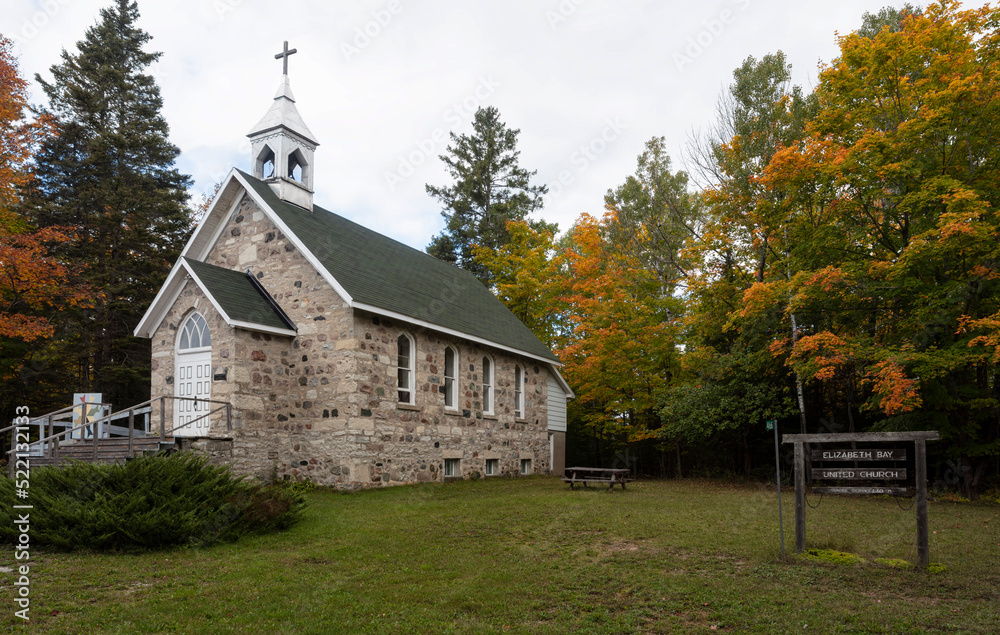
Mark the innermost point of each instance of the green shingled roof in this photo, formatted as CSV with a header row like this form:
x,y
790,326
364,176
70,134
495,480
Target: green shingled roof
x,y
237,295
381,272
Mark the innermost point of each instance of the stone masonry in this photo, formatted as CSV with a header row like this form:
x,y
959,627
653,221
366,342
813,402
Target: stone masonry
x,y
323,405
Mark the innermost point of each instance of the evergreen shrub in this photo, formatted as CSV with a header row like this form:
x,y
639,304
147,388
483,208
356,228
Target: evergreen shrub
x,y
151,502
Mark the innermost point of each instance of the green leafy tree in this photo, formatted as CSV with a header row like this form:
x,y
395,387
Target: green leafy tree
x,y
742,243
525,273
490,189
888,17
654,215
109,176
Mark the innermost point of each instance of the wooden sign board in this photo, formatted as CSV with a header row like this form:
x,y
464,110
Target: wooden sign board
x,y
891,491
859,455
918,438
858,474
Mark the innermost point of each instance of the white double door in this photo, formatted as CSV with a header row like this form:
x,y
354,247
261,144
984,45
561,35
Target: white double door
x,y
193,379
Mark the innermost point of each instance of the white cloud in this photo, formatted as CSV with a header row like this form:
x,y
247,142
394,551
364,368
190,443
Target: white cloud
x,y
559,81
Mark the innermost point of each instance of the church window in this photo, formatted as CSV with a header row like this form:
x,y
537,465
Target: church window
x,y
487,385
404,364
266,162
450,376
194,333
519,392
296,166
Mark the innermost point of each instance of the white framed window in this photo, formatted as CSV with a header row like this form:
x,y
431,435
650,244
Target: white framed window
x,y
487,385
450,378
405,359
519,392
492,467
525,466
194,334
452,467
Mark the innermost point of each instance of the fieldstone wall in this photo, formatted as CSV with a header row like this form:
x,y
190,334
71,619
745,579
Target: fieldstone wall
x,y
374,440
323,405
284,386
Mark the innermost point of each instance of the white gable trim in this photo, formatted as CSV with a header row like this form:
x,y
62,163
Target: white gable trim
x,y
168,296
562,383
211,225
440,329
250,326
217,234
162,302
289,235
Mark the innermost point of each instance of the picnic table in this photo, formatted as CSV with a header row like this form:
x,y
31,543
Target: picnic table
x,y
611,476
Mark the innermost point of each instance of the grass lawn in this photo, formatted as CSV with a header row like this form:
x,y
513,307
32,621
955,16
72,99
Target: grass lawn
x,y
530,556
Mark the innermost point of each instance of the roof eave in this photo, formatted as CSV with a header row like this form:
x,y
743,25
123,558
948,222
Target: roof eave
x,y
442,329
172,287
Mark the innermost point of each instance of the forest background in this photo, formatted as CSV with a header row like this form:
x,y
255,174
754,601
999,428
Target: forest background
x,y
829,259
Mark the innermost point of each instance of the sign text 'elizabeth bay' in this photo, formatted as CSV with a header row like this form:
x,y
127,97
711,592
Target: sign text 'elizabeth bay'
x,y
859,455
846,474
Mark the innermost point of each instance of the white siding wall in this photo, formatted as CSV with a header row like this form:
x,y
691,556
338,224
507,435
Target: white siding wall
x,y
557,406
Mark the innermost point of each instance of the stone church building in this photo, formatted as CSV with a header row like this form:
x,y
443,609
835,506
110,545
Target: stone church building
x,y
349,359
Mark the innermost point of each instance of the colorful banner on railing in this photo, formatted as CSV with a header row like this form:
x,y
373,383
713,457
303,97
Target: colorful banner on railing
x,y
86,408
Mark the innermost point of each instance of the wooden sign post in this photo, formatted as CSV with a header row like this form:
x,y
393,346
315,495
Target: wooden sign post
x,y
772,424
859,457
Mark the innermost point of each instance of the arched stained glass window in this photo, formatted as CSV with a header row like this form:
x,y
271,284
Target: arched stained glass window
x,y
487,386
194,333
450,375
519,392
404,368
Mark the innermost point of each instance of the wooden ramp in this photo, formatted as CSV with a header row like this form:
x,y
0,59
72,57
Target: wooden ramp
x,y
113,450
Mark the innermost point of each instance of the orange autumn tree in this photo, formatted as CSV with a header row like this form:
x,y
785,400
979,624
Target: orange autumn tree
x,y
890,207
33,284
18,138
621,348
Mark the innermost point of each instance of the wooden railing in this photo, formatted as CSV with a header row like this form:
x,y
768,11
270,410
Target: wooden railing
x,y
49,420
50,444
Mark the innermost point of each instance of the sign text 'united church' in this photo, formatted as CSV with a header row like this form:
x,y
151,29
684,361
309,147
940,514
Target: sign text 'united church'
x,y
896,474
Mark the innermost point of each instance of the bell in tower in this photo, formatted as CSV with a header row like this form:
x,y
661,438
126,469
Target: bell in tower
x,y
282,146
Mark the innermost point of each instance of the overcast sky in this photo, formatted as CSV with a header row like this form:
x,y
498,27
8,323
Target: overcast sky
x,y
382,82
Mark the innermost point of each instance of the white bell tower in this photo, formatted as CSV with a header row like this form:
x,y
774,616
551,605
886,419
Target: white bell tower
x,y
282,146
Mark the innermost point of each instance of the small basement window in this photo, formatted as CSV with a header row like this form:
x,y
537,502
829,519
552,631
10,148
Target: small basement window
x,y
451,467
525,466
492,467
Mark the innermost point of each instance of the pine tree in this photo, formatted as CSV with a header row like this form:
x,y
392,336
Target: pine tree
x,y
109,174
490,189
